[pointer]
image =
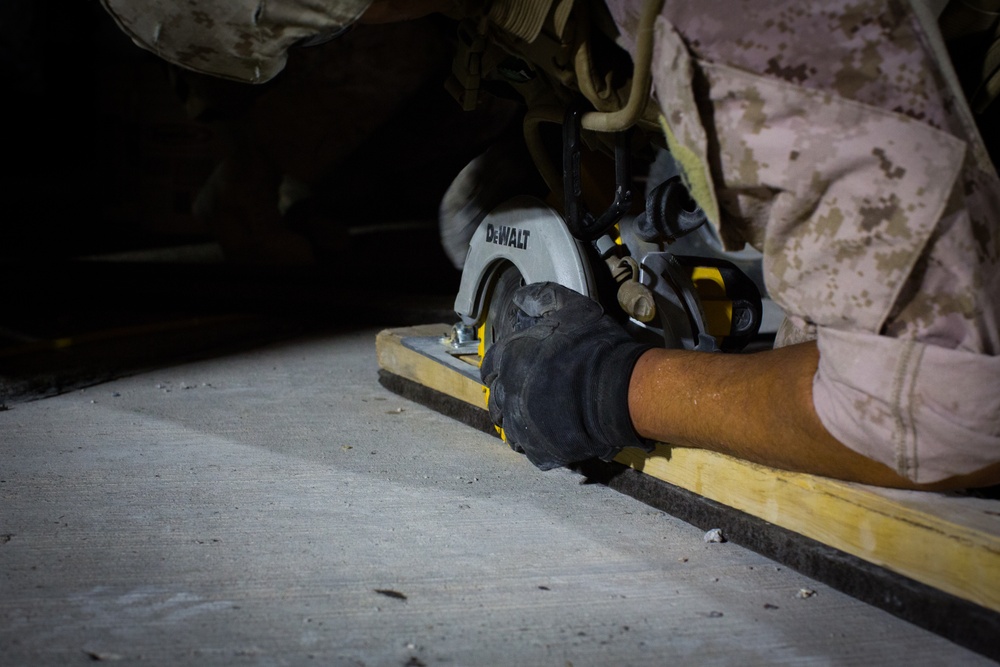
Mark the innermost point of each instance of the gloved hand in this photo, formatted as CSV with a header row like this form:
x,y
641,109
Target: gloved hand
x,y
559,382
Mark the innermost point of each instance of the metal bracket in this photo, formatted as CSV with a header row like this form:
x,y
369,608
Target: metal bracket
x,y
582,224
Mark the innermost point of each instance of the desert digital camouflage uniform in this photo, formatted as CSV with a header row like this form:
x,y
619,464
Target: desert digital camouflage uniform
x,y
829,135
241,40
832,136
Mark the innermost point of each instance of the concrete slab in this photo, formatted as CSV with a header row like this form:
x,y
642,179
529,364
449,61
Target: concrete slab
x,y
279,507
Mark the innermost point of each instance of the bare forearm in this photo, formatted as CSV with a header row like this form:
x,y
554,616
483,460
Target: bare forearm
x,y
757,407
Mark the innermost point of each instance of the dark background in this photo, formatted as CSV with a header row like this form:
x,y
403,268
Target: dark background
x,y
105,267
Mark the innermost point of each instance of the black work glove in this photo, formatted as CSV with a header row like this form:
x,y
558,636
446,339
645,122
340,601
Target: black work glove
x,y
559,383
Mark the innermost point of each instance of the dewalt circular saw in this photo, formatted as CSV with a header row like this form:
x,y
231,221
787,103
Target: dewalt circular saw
x,y
649,255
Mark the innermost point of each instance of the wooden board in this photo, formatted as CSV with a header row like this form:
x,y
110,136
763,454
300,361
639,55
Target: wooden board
x,y
950,542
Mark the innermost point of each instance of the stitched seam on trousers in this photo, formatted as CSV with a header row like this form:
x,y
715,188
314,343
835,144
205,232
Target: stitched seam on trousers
x,y
911,421
899,430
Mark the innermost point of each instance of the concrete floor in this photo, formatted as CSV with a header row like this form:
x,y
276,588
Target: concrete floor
x,y
279,507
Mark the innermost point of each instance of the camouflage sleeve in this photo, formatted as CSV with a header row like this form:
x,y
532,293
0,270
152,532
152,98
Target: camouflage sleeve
x,y
826,134
241,40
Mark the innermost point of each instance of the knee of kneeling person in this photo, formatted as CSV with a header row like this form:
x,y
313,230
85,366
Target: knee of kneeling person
x,y
930,414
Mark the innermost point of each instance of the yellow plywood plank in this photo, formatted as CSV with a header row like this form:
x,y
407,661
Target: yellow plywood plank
x,y
393,356
947,541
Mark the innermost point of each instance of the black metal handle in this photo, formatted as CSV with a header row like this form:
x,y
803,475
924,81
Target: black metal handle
x,y
581,223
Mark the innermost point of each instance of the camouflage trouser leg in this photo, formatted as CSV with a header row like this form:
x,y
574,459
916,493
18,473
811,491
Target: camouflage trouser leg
x,y
826,135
